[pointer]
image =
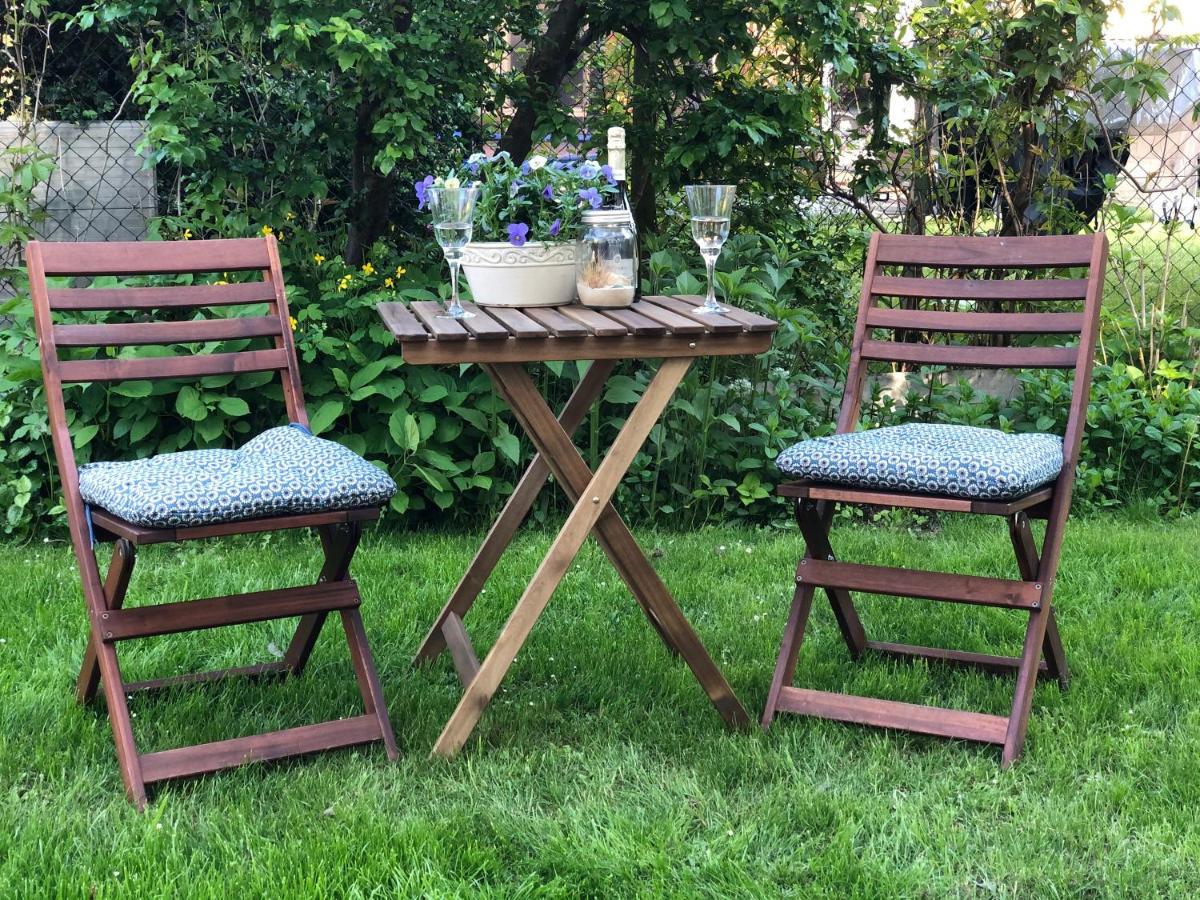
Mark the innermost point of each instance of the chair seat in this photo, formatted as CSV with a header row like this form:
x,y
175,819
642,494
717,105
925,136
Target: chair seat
x,y
955,460
282,471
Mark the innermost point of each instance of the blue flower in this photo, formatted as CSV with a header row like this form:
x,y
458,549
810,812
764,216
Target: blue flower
x,y
456,133
496,135
591,154
589,170
607,172
555,227
525,170
548,138
592,196
548,192
518,233
422,187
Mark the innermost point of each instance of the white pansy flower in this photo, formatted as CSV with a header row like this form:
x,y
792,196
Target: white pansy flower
x,y
452,184
536,162
476,158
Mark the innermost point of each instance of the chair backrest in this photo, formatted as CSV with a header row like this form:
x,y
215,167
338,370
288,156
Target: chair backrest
x,y
82,260
971,294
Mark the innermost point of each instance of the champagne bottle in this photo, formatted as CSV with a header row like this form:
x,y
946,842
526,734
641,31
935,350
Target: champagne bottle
x,y
616,161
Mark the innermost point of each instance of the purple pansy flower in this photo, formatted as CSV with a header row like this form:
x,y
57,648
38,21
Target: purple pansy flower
x,y
589,170
592,196
607,172
422,188
456,133
518,233
525,170
496,135
548,138
548,192
592,154
555,227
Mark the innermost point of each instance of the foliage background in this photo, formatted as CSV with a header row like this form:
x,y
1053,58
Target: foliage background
x,y
312,119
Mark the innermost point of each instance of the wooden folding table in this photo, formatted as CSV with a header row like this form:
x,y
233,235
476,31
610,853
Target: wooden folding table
x,y
503,341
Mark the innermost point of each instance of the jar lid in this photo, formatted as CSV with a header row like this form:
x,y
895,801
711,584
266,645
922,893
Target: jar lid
x,y
605,217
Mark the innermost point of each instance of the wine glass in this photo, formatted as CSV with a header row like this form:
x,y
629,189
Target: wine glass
x,y
710,206
453,209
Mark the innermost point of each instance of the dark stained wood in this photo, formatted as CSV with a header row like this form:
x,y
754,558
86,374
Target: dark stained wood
x,y
462,651
401,322
1034,592
1042,252
586,348
109,621
935,720
976,322
518,324
597,322
675,323
174,297
193,332
237,609
202,759
555,322
948,586
751,321
259,670
635,322
711,322
433,316
481,325
972,357
980,288
80,258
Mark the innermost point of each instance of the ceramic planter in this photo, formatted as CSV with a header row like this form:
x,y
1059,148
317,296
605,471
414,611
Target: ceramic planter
x,y
537,274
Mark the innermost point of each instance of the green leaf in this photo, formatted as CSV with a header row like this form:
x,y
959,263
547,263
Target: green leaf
x,y
189,405
433,393
233,406
509,446
367,374
404,430
133,389
327,413
84,435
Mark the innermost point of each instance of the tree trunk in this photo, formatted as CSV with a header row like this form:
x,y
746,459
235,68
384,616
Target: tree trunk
x,y
641,142
370,191
554,55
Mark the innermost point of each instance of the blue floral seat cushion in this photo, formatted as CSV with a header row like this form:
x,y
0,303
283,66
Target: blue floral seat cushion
x,y
957,460
282,471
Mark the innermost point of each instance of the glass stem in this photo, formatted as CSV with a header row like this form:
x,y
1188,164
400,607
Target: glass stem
x,y
710,263
455,306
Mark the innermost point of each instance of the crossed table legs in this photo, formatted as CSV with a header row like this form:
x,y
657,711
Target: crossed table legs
x,y
593,513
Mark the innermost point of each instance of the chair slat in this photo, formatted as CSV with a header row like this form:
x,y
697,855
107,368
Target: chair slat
x,y
192,295
977,322
197,331
1041,252
972,357
159,367
153,257
980,288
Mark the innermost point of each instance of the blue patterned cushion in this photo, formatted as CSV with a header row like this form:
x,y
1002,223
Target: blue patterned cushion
x,y
958,460
282,471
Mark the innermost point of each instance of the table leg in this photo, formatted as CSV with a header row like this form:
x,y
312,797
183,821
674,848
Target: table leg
x,y
566,546
519,503
572,473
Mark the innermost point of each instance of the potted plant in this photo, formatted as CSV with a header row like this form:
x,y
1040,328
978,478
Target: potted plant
x,y
522,252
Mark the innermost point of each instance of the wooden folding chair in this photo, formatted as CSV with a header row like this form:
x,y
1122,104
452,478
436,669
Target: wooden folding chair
x,y
339,529
1000,309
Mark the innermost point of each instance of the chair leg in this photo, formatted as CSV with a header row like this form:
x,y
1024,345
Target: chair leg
x,y
116,583
814,520
122,724
368,679
339,543
789,650
1021,533
1018,720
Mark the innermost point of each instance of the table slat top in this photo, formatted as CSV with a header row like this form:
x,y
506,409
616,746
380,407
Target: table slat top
x,y
652,327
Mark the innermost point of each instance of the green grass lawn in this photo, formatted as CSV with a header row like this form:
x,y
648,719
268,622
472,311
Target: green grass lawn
x,y
600,769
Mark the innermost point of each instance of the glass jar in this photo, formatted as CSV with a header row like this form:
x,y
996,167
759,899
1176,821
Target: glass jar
x,y
606,259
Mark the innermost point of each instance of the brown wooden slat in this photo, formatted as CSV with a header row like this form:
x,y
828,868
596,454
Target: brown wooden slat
x,y
259,670
597,323
193,332
158,367
951,723
840,494
558,324
636,322
153,257
751,321
980,288
668,346
184,295
462,652
985,661
518,324
675,323
483,326
401,322
202,759
238,609
1040,252
976,322
972,357
948,586
433,316
714,323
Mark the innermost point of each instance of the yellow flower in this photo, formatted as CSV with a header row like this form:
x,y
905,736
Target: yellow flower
x,y
267,229
345,282
387,282
187,234
318,258
289,216
222,281
292,321
280,237
368,269
400,271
